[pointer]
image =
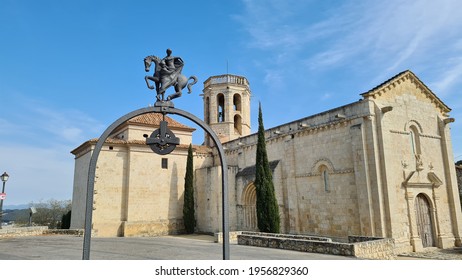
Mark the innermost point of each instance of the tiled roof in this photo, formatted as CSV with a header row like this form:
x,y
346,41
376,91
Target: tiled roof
x,y
114,141
155,119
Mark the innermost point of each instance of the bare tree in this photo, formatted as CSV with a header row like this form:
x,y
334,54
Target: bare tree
x,y
50,213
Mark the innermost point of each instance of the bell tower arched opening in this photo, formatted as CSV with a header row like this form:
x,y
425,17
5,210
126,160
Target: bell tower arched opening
x,y
227,106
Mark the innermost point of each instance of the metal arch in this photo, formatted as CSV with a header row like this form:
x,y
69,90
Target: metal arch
x,y
99,145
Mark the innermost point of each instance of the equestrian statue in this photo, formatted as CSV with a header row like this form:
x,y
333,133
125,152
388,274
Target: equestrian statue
x,y
167,73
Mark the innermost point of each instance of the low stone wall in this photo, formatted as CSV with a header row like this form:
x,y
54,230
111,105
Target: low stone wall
x,y
291,236
77,232
156,228
22,231
232,237
40,230
358,246
373,247
234,234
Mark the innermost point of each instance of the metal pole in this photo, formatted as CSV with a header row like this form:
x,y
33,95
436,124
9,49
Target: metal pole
x,y
165,110
1,206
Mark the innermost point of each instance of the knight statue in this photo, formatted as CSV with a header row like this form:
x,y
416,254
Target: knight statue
x,y
167,73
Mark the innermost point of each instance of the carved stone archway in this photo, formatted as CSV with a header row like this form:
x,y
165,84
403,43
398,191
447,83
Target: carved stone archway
x,y
249,209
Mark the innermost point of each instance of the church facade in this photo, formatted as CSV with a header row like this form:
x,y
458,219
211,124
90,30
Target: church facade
x,y
382,166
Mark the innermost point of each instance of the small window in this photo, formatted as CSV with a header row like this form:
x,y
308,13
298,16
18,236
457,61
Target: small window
x,y
325,177
165,163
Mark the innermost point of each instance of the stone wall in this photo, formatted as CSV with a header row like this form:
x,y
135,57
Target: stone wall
x,y
23,231
39,230
360,247
373,247
232,237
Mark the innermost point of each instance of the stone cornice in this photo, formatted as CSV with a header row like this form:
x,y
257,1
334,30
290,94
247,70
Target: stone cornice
x,y
420,135
337,171
401,77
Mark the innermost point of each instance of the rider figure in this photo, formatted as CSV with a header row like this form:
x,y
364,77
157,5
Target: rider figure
x,y
167,63
170,69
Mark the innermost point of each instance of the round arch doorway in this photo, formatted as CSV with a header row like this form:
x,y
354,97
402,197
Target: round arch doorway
x,y
424,220
249,209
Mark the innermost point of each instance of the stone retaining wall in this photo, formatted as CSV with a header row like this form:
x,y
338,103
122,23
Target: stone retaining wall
x,y
373,247
22,231
77,232
358,246
234,234
232,237
33,231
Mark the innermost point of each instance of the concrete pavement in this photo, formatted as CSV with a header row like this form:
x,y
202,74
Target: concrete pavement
x,y
181,247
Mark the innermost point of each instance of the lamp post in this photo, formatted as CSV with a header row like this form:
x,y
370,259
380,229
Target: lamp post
x,y
4,178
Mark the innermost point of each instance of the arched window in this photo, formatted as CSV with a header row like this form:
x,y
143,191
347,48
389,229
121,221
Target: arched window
x,y
415,147
237,102
415,140
207,110
238,124
324,177
221,107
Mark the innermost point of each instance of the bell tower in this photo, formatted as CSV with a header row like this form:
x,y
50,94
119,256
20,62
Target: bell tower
x,y
227,107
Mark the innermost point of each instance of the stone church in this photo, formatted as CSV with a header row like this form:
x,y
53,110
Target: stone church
x,y
382,166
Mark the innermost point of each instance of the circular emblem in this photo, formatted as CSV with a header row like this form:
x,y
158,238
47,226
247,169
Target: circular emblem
x,y
162,141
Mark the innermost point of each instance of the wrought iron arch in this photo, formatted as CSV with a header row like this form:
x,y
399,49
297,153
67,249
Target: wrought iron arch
x,y
168,109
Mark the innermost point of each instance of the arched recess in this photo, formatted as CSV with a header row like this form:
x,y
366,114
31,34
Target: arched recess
x,y
221,107
415,130
324,171
249,213
238,124
323,167
237,102
99,145
207,110
414,123
322,161
415,140
425,220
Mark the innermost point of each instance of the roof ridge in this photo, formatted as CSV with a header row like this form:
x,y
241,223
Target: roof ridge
x,y
381,87
153,118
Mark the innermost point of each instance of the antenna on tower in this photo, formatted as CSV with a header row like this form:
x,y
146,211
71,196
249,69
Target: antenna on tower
x,y
227,72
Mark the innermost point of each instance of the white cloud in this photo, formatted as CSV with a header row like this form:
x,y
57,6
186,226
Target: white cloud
x,y
37,173
35,148
392,33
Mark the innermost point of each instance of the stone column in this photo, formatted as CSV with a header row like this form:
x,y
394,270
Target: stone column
x,y
416,242
365,209
451,181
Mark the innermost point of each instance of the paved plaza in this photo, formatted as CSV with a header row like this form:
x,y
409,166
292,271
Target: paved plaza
x,y
181,247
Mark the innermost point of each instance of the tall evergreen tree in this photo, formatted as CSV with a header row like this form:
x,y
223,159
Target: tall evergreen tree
x,y
189,219
267,206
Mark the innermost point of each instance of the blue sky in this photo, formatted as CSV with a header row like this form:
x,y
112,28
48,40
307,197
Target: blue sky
x,y
68,69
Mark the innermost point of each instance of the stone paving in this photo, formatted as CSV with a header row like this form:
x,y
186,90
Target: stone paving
x,y
435,254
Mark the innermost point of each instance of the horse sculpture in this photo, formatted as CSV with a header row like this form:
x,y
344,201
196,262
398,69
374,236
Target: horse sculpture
x,y
164,77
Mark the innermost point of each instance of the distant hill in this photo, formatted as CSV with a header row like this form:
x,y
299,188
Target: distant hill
x,y
16,215
16,207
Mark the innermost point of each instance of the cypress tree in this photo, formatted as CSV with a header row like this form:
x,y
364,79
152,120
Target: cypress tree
x,y
66,220
267,206
189,219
